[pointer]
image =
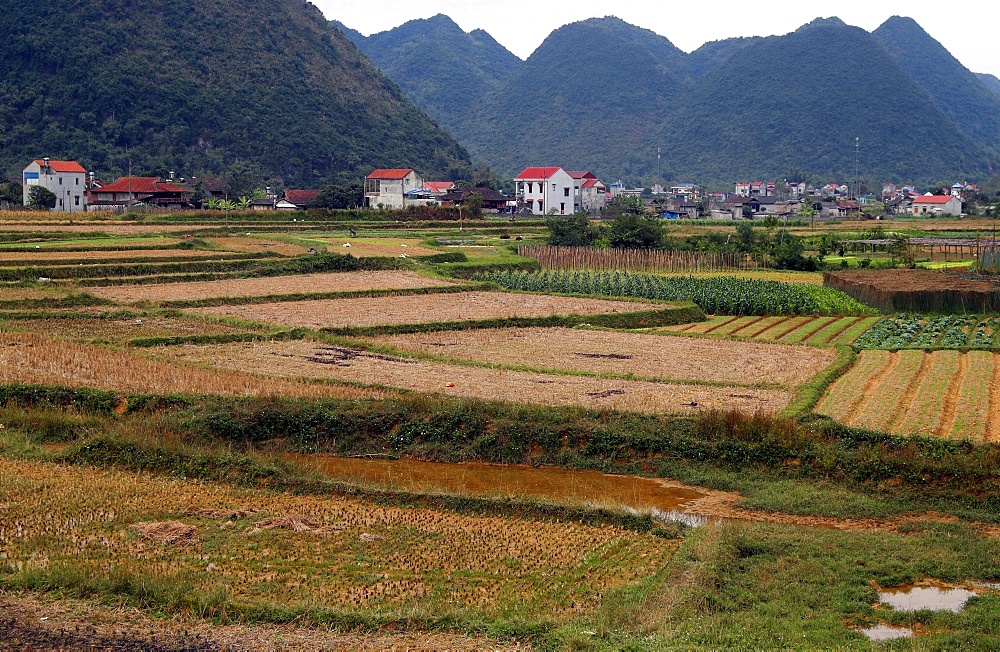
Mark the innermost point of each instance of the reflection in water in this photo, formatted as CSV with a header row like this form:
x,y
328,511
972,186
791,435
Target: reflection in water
x,y
886,632
496,480
915,598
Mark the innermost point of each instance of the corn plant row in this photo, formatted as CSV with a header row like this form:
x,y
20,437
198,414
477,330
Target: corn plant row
x,y
730,295
915,331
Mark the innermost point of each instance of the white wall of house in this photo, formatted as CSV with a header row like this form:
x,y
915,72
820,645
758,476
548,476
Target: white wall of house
x,y
391,193
544,195
68,187
952,207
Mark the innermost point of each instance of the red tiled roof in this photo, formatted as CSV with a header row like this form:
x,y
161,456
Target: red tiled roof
x,y
301,197
63,166
438,186
389,174
590,183
933,199
581,174
141,185
537,173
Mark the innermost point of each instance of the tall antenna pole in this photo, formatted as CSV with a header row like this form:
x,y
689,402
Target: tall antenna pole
x,y
857,173
657,165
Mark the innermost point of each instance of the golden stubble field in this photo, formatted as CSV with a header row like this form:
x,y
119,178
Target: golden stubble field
x,y
117,329
417,309
304,551
275,285
659,357
942,393
307,359
41,360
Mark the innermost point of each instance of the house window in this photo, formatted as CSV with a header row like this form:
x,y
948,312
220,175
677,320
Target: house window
x,y
553,187
77,200
60,181
531,187
540,207
565,192
562,209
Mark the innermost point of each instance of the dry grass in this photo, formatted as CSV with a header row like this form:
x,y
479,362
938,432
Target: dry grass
x,y
418,309
25,294
167,533
650,356
257,244
413,559
120,331
15,258
367,247
255,287
311,360
37,359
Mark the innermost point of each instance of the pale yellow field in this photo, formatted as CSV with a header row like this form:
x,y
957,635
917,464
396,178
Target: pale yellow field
x,y
347,553
120,330
37,359
16,258
418,309
647,356
304,359
942,393
255,287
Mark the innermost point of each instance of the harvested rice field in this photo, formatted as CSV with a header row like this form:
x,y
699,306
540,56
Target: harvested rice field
x,y
366,247
815,331
36,359
659,357
276,285
942,393
259,243
305,359
18,258
32,293
421,309
332,553
120,330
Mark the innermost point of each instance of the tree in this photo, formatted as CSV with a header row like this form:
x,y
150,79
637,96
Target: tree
x,y
571,231
339,197
11,191
631,231
474,205
40,197
242,179
786,250
807,212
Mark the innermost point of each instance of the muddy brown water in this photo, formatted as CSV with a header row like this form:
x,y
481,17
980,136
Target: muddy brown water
x,y
914,598
495,480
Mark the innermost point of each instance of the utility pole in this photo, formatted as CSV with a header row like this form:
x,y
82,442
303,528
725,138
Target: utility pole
x,y
657,165
857,168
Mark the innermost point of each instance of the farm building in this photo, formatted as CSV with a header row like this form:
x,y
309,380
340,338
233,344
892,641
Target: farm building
x,y
937,205
67,180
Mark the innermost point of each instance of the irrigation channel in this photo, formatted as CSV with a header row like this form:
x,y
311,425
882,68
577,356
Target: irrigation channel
x,y
510,481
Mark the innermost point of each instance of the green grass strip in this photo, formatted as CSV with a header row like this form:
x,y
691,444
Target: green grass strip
x,y
811,392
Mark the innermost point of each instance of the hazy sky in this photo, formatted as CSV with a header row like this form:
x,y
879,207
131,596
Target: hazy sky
x,y
969,30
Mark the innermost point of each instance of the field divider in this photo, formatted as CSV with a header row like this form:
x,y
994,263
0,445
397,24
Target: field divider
x,y
639,319
313,296
810,393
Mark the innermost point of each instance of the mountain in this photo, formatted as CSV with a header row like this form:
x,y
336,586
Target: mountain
x,y
444,70
198,85
956,91
584,99
602,94
800,100
991,81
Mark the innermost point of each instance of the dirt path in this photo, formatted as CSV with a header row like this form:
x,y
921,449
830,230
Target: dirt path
x,y
30,622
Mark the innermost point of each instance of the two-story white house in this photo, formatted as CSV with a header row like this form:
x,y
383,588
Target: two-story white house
x,y
546,190
389,187
67,180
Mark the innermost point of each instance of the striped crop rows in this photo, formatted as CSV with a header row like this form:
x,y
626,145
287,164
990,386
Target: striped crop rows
x,y
815,331
729,295
933,332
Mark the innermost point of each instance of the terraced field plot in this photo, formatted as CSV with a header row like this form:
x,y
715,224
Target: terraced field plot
x,y
333,553
39,360
647,356
304,359
363,247
933,331
815,331
428,308
276,285
119,330
941,393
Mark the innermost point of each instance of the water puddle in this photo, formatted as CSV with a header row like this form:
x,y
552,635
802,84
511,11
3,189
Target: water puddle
x,y
934,597
496,480
886,632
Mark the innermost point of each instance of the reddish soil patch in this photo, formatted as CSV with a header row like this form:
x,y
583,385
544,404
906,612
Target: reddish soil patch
x,y
916,290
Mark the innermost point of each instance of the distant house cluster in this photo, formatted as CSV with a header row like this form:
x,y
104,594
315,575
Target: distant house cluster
x,y
76,189
400,188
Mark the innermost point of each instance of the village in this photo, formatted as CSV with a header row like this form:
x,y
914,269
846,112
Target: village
x,y
537,191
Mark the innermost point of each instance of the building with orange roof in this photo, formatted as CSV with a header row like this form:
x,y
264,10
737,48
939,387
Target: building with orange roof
x,y
67,180
937,205
388,187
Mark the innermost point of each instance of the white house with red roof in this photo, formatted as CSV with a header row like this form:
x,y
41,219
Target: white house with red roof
x,y
128,191
67,180
589,193
545,190
440,188
937,205
388,187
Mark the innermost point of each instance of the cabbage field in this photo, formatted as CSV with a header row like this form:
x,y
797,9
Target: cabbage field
x,y
915,331
730,295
